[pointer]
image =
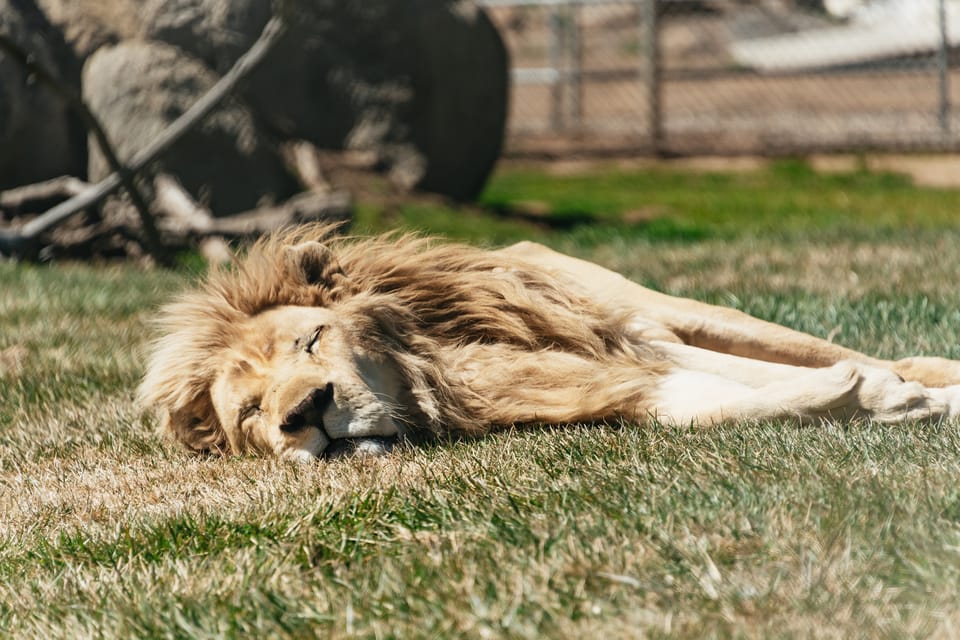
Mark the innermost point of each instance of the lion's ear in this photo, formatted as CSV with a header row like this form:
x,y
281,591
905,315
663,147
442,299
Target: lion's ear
x,y
316,265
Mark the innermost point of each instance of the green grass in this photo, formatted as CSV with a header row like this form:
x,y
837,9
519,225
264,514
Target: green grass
x,y
754,530
788,201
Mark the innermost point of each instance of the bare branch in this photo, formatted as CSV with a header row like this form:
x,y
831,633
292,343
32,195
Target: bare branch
x,y
182,215
305,207
27,236
181,212
17,199
303,158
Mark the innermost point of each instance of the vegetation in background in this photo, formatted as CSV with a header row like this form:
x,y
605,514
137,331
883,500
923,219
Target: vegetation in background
x,y
755,530
786,201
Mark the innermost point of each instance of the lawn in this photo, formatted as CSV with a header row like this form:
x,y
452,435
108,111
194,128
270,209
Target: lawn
x,y
754,530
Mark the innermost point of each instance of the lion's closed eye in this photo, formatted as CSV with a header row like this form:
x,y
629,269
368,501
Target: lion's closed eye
x,y
248,411
309,341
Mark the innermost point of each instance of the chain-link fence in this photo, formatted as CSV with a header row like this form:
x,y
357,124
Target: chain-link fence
x,y
731,76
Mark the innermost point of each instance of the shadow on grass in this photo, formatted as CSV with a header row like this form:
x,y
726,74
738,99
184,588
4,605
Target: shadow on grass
x,y
590,228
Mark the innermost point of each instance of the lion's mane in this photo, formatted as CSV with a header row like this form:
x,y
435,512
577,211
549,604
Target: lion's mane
x,y
480,339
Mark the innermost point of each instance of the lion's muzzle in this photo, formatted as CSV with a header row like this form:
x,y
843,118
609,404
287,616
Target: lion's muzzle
x,y
309,411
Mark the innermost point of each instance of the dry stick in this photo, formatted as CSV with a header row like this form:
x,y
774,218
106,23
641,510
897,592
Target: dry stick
x,y
272,32
186,216
182,211
32,67
62,187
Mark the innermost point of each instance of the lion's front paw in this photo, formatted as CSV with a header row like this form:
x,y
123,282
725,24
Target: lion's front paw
x,y
950,397
885,397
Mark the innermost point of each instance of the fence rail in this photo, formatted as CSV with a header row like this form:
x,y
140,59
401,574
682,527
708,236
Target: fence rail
x,y
692,77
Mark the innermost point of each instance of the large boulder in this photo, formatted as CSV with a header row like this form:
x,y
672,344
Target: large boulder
x,y
422,83
37,137
137,88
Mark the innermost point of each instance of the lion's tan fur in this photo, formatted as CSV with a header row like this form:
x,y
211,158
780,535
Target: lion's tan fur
x,y
480,339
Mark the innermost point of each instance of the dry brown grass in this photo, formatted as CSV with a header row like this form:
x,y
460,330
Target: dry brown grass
x,y
839,268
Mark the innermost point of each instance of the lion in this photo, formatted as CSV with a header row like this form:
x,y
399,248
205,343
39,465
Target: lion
x,y
313,344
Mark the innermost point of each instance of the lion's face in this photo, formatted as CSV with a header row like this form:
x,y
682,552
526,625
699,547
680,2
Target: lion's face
x,y
299,379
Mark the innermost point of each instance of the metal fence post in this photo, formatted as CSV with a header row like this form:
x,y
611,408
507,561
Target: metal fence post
x,y
556,65
576,65
943,60
650,72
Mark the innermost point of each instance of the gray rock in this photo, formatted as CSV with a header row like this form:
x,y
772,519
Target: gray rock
x,y
137,88
458,123
422,83
37,138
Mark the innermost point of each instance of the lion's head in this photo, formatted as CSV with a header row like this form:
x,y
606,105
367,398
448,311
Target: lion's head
x,y
309,340
301,378
277,355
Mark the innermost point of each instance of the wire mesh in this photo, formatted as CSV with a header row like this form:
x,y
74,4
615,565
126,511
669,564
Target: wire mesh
x,y
731,76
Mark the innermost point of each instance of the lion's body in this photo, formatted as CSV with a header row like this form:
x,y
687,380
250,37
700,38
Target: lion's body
x,y
309,340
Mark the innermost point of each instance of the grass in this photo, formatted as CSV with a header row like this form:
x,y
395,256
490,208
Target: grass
x,y
754,530
787,201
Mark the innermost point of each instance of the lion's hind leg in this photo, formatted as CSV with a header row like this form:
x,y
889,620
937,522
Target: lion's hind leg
x,y
884,396
662,317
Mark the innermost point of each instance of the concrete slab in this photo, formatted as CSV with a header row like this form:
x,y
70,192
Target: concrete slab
x,y
890,35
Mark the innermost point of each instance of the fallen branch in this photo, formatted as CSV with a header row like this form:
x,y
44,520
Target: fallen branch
x,y
181,213
19,199
117,232
26,237
183,216
303,159
305,207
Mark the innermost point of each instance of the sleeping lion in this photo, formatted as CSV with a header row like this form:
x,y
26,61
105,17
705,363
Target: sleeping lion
x,y
312,345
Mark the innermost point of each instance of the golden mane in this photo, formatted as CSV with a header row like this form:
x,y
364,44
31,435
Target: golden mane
x,y
466,329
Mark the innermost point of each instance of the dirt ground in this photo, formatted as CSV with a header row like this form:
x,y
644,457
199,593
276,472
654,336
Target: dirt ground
x,y
940,171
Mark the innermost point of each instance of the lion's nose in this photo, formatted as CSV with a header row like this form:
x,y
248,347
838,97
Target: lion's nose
x,y
309,412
